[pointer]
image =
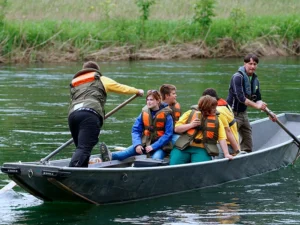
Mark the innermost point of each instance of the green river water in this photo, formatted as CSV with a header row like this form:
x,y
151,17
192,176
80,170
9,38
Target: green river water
x,y
33,118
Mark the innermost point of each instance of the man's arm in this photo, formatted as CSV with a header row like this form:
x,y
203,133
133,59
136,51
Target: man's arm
x,y
237,86
111,85
238,89
257,105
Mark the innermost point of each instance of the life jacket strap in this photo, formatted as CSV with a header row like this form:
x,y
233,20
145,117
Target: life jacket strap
x,y
232,122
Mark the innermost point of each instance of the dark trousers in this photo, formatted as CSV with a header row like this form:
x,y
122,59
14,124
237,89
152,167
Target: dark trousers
x,y
85,128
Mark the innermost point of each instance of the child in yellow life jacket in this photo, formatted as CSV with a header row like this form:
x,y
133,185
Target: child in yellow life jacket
x,y
228,120
200,129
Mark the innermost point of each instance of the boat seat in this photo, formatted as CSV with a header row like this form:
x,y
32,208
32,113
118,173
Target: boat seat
x,y
148,162
114,163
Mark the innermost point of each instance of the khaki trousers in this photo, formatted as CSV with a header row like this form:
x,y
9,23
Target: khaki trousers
x,y
245,131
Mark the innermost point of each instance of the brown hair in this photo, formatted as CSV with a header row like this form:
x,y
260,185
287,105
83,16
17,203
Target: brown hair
x,y
166,89
155,95
206,104
211,92
91,65
249,57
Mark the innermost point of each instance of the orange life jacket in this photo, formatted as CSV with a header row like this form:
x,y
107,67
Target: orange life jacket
x,y
209,127
222,102
154,128
176,111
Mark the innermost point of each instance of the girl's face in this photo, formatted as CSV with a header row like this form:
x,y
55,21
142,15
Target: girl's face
x,y
213,111
152,103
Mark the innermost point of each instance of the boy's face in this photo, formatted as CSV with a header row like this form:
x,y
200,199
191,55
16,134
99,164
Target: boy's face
x,y
171,98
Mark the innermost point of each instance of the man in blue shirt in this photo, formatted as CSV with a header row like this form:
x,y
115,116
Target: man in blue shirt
x,y
244,91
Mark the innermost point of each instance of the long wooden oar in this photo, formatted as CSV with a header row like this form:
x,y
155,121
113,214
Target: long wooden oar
x,y
7,187
44,160
11,184
296,141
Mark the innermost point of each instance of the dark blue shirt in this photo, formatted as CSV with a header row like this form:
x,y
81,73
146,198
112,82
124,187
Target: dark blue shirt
x,y
237,90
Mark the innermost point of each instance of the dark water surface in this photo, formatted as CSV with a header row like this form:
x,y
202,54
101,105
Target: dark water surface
x,y
33,118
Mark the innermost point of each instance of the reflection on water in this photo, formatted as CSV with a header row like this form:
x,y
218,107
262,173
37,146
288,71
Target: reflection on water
x,y
33,118
11,201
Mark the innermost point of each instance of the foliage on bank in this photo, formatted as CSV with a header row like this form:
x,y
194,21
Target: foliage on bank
x,y
206,36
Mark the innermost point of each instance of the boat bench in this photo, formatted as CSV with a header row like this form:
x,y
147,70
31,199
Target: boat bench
x,y
148,162
135,161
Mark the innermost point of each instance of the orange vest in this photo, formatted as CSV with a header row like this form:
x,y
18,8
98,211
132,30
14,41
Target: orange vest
x,y
84,78
176,111
209,127
154,127
222,102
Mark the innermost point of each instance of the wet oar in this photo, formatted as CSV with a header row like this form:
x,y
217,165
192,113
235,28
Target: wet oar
x,y
44,160
7,187
296,141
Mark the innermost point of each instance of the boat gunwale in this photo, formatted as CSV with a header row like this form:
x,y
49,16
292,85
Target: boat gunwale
x,y
164,167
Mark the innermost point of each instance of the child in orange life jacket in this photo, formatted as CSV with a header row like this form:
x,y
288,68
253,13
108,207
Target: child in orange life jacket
x,y
228,120
168,94
152,130
198,137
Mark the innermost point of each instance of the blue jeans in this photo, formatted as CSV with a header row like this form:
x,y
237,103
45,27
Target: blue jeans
x,y
130,151
174,138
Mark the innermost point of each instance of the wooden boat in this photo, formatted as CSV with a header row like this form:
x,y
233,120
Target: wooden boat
x,y
139,178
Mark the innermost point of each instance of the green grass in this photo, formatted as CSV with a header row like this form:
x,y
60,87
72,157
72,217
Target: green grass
x,y
87,26
96,10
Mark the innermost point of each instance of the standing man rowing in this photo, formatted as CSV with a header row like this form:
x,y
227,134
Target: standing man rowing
x,y
244,91
88,91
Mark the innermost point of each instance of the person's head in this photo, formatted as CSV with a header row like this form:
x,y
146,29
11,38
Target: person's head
x,y
153,99
207,105
168,93
211,92
91,65
250,63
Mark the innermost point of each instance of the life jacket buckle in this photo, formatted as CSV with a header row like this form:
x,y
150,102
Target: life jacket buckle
x,y
151,128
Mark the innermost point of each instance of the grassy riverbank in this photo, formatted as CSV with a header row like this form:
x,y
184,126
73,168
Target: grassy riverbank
x,y
78,30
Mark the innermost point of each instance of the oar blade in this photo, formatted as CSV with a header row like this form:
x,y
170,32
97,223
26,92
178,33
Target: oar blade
x,y
8,187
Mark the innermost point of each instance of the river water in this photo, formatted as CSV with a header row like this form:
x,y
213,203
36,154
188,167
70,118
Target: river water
x,y
33,118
